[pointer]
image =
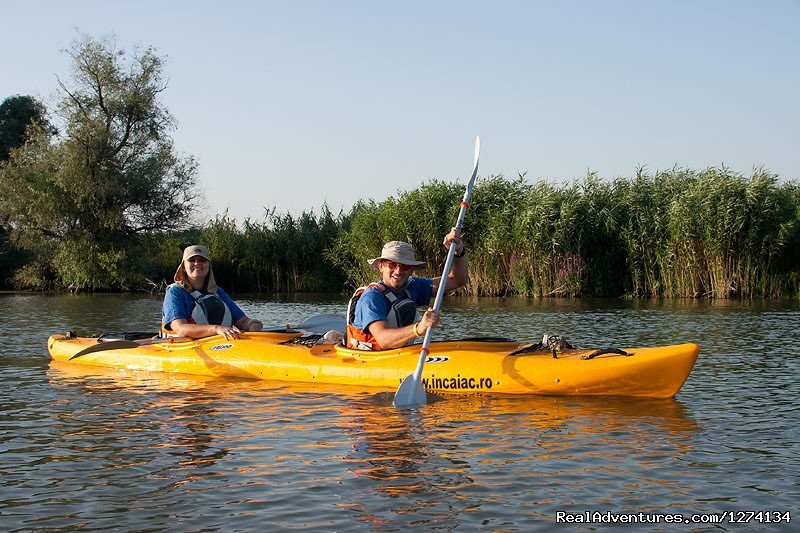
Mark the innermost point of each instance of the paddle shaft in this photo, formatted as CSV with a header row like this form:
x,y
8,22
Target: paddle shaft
x,y
448,264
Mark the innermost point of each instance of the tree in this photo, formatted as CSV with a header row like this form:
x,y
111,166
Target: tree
x,y
80,204
17,114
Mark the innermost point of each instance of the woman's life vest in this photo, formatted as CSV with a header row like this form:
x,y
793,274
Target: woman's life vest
x,y
402,312
210,309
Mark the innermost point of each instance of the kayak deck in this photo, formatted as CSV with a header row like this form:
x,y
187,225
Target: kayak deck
x,y
466,366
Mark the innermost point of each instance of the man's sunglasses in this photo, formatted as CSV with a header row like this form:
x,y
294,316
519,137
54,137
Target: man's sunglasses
x,y
393,265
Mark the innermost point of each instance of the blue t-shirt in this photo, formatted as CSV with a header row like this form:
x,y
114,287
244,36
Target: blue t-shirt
x,y
373,306
179,304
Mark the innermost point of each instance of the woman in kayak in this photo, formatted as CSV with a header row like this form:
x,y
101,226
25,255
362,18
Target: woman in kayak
x,y
383,314
194,306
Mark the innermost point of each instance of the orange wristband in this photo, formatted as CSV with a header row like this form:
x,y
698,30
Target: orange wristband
x,y
415,329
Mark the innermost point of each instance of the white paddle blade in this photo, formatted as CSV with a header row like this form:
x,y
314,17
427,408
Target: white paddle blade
x,y
315,324
323,324
410,393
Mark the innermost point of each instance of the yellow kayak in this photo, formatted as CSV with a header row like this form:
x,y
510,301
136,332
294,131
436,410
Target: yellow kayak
x,y
490,365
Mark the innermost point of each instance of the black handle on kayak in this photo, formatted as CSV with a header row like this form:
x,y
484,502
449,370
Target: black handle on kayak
x,y
604,351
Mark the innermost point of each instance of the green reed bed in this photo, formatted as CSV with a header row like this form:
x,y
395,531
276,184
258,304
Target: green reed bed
x,y
279,254
282,253
677,233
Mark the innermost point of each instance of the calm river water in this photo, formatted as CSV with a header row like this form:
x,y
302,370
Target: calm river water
x,y
93,449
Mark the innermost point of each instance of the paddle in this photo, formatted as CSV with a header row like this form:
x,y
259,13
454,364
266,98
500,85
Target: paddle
x,y
411,392
315,324
120,345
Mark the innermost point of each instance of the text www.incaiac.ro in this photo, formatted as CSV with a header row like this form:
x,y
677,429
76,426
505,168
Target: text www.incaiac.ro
x,y
457,383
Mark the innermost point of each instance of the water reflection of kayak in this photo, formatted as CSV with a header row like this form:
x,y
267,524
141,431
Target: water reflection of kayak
x,y
469,366
450,443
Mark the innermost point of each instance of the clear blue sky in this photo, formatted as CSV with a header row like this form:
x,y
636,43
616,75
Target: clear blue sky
x,y
289,104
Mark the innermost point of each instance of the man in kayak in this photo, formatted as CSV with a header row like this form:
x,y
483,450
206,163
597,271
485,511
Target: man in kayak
x,y
194,306
383,314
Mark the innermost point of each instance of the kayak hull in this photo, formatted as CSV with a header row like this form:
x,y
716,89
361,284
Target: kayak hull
x,y
458,367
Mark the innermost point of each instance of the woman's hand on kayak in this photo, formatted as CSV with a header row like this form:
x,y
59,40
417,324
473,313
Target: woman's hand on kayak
x,y
229,332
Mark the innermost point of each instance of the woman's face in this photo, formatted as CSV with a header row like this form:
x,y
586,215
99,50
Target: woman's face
x,y
196,268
